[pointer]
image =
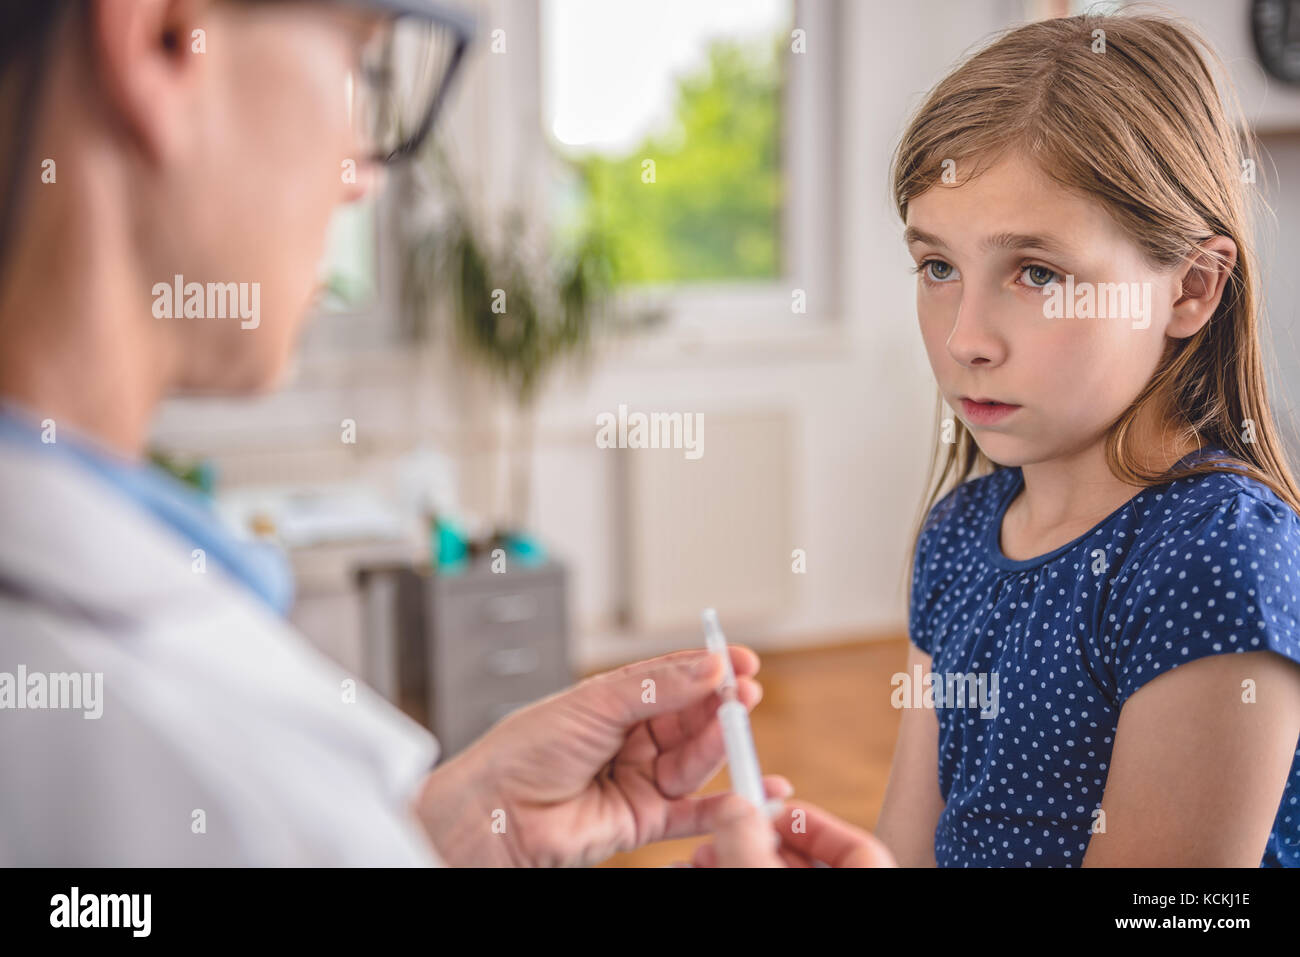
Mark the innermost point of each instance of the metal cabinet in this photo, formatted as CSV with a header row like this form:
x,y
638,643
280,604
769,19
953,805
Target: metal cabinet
x,y
492,642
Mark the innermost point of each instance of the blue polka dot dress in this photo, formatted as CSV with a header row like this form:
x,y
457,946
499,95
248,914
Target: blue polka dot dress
x,y
1201,566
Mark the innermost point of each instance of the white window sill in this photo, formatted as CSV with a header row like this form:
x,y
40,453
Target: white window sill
x,y
724,321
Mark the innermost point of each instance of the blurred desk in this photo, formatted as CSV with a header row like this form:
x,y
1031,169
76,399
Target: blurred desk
x,y
337,614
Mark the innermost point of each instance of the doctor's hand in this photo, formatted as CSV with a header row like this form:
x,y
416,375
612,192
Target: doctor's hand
x,y
798,835
606,766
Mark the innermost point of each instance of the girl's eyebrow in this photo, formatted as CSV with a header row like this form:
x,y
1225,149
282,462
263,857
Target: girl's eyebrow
x,y
1024,241
913,235
996,241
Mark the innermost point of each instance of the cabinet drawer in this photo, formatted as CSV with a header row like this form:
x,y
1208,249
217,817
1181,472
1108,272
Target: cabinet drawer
x,y
514,634
540,669
482,611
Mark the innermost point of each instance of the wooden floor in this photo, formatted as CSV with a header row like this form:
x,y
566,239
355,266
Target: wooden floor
x,y
826,724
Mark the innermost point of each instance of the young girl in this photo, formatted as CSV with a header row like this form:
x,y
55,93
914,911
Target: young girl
x,y
1122,582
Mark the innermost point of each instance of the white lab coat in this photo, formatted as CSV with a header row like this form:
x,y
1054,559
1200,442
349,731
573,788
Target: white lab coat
x,y
211,704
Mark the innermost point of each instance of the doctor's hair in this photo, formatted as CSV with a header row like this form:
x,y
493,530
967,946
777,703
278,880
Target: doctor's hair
x,y
1137,124
29,35
26,36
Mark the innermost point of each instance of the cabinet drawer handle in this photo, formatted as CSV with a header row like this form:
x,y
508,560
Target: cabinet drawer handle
x,y
513,661
506,609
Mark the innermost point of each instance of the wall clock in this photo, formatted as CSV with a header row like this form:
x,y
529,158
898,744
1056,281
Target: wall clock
x,y
1275,28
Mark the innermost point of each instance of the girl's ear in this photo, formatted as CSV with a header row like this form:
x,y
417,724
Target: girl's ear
x,y
1204,279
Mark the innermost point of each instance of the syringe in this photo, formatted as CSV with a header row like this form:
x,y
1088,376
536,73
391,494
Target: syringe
x,y
742,759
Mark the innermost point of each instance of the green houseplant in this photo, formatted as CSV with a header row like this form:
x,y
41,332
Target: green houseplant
x,y
516,309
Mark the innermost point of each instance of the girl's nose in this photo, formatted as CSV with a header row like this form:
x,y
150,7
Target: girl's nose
x,y
974,339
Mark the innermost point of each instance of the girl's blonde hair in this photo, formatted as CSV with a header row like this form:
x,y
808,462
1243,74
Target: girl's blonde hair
x,y
1132,117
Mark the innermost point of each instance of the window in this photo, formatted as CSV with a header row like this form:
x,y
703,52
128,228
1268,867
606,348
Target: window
x,y
359,308
666,122
1049,9
348,267
698,139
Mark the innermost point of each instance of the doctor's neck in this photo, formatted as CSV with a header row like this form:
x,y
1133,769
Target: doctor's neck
x,y
78,342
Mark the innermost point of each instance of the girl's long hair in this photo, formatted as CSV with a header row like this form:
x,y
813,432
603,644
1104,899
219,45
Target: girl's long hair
x,y
1126,110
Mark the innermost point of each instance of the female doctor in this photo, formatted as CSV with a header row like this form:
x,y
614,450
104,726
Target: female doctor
x,y
152,714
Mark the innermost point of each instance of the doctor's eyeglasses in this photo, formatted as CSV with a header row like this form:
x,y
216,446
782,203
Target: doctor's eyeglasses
x,y
405,71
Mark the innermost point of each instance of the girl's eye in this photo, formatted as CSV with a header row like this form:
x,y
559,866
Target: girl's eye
x,y
936,270
1039,276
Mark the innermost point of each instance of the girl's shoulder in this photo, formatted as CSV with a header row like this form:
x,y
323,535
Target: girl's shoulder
x,y
972,497
1214,568
958,522
1223,505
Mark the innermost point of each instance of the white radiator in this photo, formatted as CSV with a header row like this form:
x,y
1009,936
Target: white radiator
x,y
714,531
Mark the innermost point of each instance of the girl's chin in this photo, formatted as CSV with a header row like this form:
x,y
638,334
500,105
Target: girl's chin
x,y
1003,450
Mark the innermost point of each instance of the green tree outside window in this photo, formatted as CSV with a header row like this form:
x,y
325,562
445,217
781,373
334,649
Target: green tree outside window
x,y
713,211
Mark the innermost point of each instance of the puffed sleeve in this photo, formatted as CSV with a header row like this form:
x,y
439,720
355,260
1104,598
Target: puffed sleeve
x,y
924,574
1225,580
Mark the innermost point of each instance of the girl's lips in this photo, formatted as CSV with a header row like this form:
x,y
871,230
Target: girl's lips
x,y
982,413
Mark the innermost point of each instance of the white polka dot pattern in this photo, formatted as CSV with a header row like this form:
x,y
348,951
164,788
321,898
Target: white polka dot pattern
x,y
1201,566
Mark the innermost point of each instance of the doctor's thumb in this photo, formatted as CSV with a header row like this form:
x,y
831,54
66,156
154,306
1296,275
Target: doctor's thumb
x,y
744,836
